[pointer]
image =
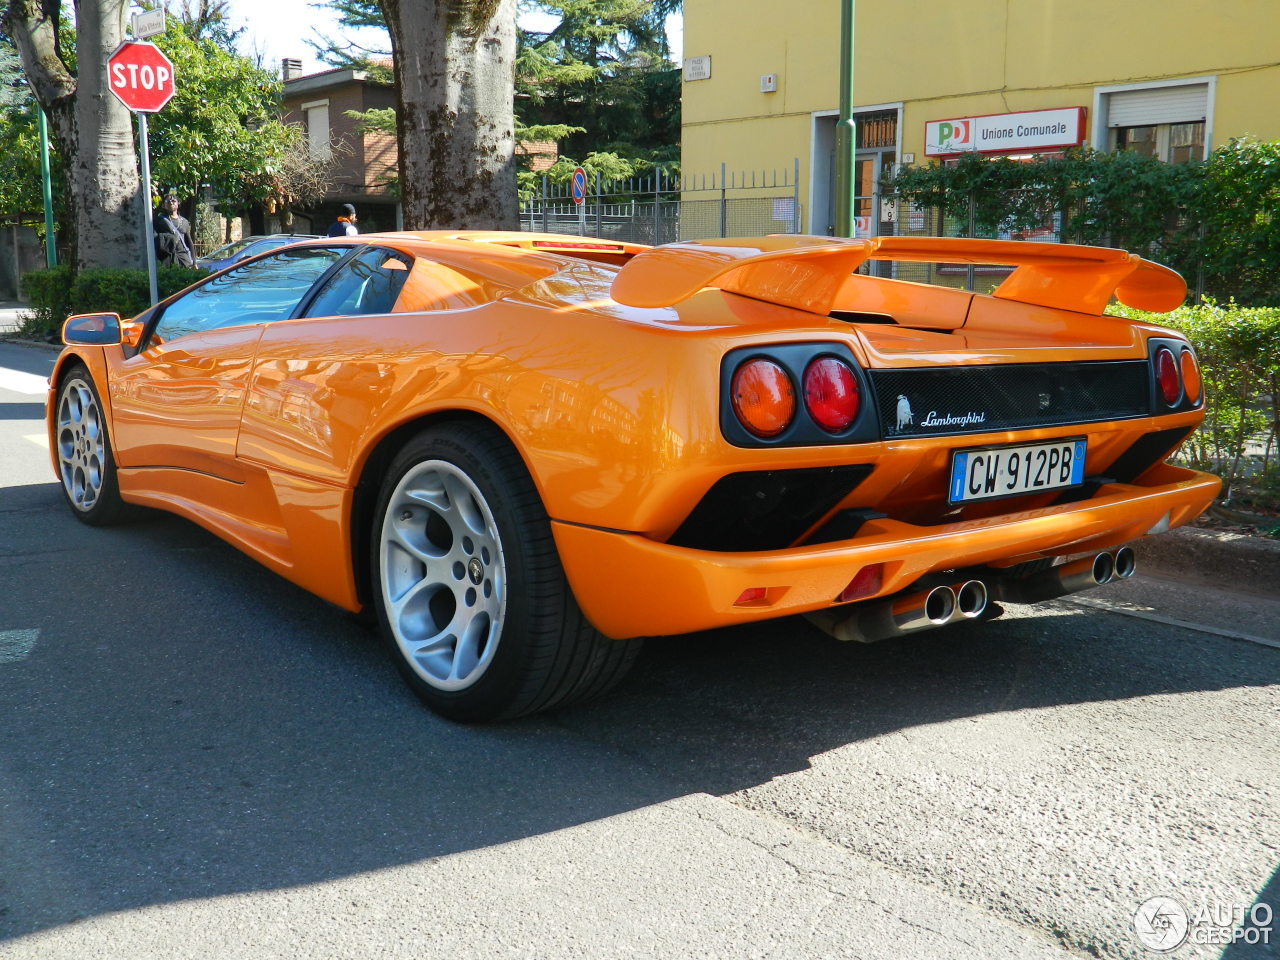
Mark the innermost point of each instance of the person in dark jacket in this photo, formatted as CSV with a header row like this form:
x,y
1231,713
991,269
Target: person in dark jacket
x,y
173,236
345,225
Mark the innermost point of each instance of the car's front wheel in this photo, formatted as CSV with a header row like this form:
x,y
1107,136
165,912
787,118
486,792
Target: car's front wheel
x,y
85,460
469,589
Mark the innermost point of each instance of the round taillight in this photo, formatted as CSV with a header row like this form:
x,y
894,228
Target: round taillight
x,y
1167,377
763,398
831,394
1190,376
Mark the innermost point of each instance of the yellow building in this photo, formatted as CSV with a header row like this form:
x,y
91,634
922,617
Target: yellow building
x,y
934,78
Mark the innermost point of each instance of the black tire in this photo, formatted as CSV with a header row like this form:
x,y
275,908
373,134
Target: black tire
x,y
86,462
468,588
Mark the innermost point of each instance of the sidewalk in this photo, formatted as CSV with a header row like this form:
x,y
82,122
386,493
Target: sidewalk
x,y
9,312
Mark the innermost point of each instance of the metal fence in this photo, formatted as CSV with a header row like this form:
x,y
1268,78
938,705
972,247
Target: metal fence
x,y
664,208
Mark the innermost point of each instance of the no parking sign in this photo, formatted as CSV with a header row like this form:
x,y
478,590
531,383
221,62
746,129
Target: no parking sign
x,y
578,186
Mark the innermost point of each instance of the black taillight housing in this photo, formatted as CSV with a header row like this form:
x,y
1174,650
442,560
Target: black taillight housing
x,y
833,402
1175,375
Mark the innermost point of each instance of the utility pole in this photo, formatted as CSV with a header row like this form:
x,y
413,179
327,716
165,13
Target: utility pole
x,y
846,128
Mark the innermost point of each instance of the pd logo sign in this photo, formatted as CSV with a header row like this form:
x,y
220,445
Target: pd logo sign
x,y
954,134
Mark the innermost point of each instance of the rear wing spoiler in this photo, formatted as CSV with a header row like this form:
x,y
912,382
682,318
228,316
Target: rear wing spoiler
x,y
809,273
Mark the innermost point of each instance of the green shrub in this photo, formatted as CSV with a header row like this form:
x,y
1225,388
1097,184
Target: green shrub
x,y
1239,351
49,294
56,294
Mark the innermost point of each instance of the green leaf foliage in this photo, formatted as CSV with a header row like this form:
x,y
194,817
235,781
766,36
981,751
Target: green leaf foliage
x,y
1239,352
1213,221
600,80
222,129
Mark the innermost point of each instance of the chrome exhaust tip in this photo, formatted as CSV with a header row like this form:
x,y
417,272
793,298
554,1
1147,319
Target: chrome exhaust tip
x,y
1104,569
1125,563
894,617
939,607
1058,581
971,599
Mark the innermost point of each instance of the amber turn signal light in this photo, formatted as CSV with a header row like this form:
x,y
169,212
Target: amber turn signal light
x,y
764,400
1190,376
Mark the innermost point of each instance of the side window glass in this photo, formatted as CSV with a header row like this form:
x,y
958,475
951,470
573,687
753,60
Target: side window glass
x,y
259,292
369,282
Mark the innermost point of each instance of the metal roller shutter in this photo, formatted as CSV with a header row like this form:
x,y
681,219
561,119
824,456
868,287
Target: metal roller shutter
x,y
1186,103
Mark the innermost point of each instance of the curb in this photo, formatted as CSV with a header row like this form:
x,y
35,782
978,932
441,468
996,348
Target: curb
x,y
1230,560
34,344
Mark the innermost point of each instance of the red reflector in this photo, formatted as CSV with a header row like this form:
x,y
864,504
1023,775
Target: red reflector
x,y
575,245
751,595
868,582
831,394
1167,377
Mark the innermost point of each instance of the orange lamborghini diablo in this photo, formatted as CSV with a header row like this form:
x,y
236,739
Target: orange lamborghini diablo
x,y
523,451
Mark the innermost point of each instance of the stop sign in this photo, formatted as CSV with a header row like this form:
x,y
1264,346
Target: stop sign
x,y
140,76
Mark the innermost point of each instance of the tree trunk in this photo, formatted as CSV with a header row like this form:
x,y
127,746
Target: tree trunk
x,y
455,74
89,125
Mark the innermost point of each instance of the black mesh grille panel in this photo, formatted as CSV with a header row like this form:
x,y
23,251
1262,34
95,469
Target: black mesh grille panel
x,y
922,403
766,509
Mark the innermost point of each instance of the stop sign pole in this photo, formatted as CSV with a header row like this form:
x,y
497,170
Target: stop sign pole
x,y
141,77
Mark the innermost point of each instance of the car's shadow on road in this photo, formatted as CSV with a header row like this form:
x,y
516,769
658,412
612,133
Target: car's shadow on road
x,y
188,725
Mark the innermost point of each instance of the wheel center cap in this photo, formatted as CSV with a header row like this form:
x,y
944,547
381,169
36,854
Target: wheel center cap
x,y
475,570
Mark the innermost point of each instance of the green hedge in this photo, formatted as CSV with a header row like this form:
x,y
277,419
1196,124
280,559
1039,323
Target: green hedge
x,y
56,293
1239,351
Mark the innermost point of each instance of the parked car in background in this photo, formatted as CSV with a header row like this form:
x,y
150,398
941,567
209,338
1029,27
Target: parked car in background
x,y
242,249
524,452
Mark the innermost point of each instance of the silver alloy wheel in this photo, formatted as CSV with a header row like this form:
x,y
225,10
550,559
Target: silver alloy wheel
x,y
81,444
442,575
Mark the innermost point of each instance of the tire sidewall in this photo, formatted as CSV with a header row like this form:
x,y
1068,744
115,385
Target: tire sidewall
x,y
501,680
108,503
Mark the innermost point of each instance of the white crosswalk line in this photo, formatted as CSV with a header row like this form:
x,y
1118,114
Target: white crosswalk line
x,y
19,382
39,439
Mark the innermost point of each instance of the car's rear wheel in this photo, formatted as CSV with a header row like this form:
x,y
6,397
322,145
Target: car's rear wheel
x,y
85,460
469,589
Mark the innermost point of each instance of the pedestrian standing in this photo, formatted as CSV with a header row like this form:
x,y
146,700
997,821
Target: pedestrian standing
x,y
173,236
345,225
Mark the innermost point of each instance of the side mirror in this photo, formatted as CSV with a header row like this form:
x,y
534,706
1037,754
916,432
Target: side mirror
x,y
93,330
131,333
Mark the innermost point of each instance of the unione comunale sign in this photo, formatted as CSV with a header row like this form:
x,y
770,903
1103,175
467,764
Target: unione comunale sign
x,y
1005,132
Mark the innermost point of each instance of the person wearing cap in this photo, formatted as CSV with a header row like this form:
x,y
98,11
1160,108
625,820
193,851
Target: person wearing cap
x,y
345,225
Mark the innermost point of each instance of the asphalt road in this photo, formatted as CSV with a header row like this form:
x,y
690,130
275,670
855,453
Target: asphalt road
x,y
199,760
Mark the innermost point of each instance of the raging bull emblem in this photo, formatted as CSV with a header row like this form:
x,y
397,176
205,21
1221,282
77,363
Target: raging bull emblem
x,y
905,416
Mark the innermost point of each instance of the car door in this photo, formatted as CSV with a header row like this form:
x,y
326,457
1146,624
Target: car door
x,y
177,402
316,378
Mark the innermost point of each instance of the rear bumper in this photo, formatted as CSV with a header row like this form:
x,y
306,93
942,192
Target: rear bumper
x,y
629,586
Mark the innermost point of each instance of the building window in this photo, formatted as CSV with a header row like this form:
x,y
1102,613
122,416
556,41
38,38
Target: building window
x,y
317,123
1172,142
1169,121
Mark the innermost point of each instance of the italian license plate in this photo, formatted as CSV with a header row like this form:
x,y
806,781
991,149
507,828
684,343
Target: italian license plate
x,y
988,472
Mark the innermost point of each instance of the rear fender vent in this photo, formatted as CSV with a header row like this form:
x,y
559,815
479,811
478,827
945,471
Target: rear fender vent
x,y
765,509
853,316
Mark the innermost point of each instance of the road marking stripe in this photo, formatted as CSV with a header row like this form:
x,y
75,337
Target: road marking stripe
x,y
19,382
17,645
1172,621
39,439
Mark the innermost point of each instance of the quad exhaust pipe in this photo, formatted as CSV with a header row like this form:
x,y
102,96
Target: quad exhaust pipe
x,y
970,599
1067,578
905,613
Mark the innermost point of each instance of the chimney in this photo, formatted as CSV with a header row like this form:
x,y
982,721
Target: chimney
x,y
290,68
